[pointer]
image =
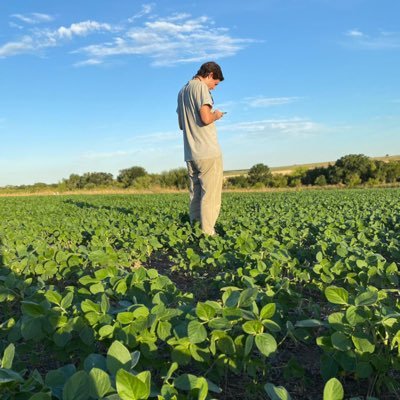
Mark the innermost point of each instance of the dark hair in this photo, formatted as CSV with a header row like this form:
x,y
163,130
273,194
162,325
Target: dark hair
x,y
210,67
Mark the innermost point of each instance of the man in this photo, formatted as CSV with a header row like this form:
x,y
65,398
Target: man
x,y
202,152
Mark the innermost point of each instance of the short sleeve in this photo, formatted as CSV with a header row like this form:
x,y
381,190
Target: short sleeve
x,y
203,96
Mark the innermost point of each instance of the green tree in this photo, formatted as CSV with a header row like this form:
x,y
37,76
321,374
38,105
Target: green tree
x,y
239,181
259,173
279,181
320,180
352,164
74,182
92,179
128,176
378,172
296,177
392,171
175,178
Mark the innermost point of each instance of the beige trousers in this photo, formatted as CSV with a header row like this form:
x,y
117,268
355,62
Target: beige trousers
x,y
206,178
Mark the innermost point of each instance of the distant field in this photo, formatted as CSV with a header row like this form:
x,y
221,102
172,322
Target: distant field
x,y
287,169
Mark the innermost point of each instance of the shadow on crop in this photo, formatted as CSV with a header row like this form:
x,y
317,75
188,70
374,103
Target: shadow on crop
x,y
85,204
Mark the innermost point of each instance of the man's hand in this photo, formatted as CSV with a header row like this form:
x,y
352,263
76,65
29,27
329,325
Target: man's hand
x,y
208,116
218,114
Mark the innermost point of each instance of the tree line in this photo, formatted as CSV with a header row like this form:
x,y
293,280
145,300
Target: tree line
x,y
351,170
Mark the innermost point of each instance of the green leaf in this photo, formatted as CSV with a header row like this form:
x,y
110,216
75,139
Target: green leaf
x,y
95,361
277,392
333,390
164,329
248,345
100,383
196,332
8,356
219,323
89,306
254,327
181,355
271,325
8,375
125,318
247,297
67,300
231,298
266,344
341,251
135,357
56,379
355,315
226,345
340,341
118,356
337,295
366,299
309,323
185,382
174,366
131,387
205,312
53,297
77,387
104,304
106,331
202,385
96,288
32,309
363,343
268,311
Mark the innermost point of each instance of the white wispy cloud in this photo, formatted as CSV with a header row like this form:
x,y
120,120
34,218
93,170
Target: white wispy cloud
x,y
354,33
261,101
40,39
269,127
81,29
382,40
171,40
33,18
146,9
24,45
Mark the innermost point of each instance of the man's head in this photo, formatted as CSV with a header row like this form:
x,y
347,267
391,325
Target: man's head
x,y
211,74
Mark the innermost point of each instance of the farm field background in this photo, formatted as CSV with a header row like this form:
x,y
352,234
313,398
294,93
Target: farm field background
x,y
118,297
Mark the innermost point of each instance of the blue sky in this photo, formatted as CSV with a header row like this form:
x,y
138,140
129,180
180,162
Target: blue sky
x,y
92,85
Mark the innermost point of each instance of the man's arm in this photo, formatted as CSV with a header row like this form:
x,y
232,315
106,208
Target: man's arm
x,y
207,116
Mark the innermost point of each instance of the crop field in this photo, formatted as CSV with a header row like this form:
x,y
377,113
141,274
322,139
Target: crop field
x,y
118,297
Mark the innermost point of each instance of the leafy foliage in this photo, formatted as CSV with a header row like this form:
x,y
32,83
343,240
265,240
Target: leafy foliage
x,y
89,308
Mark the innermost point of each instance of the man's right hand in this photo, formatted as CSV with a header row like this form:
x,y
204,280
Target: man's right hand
x,y
218,114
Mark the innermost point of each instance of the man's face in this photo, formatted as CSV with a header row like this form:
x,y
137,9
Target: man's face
x,y
211,82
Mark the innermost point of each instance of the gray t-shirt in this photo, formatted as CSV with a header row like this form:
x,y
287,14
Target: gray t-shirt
x,y
200,140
